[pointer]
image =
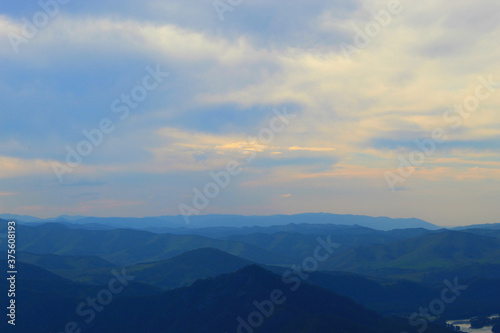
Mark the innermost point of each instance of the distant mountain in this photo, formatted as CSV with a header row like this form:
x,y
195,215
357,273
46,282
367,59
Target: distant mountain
x,y
381,223
66,218
86,226
204,221
23,218
224,232
484,232
125,246
303,228
495,226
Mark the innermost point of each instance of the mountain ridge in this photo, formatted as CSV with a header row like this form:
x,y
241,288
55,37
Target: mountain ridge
x,y
221,220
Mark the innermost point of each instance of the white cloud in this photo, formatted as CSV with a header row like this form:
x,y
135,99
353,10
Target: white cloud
x,y
17,167
397,88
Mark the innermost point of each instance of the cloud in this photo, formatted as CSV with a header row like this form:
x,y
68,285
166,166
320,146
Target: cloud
x,y
85,208
16,167
294,148
355,116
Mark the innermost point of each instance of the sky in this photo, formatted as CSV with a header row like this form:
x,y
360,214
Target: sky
x,y
147,108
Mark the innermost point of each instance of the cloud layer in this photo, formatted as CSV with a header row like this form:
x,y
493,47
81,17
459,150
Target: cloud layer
x,y
356,116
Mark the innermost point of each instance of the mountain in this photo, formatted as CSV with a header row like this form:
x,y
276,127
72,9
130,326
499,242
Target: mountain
x,y
299,245
204,221
293,228
233,302
484,232
382,296
66,218
440,250
212,305
125,246
172,273
33,272
35,279
23,218
55,262
466,271
87,226
495,226
480,298
402,297
188,267
224,232
45,302
381,223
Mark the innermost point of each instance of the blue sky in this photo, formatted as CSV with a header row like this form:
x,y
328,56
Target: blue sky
x,y
355,114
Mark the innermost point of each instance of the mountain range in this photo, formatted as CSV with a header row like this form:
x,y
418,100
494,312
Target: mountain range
x,y
194,282
250,298
205,221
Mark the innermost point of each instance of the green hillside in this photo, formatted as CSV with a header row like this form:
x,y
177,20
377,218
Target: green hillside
x,y
440,250
125,247
57,262
301,240
172,273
